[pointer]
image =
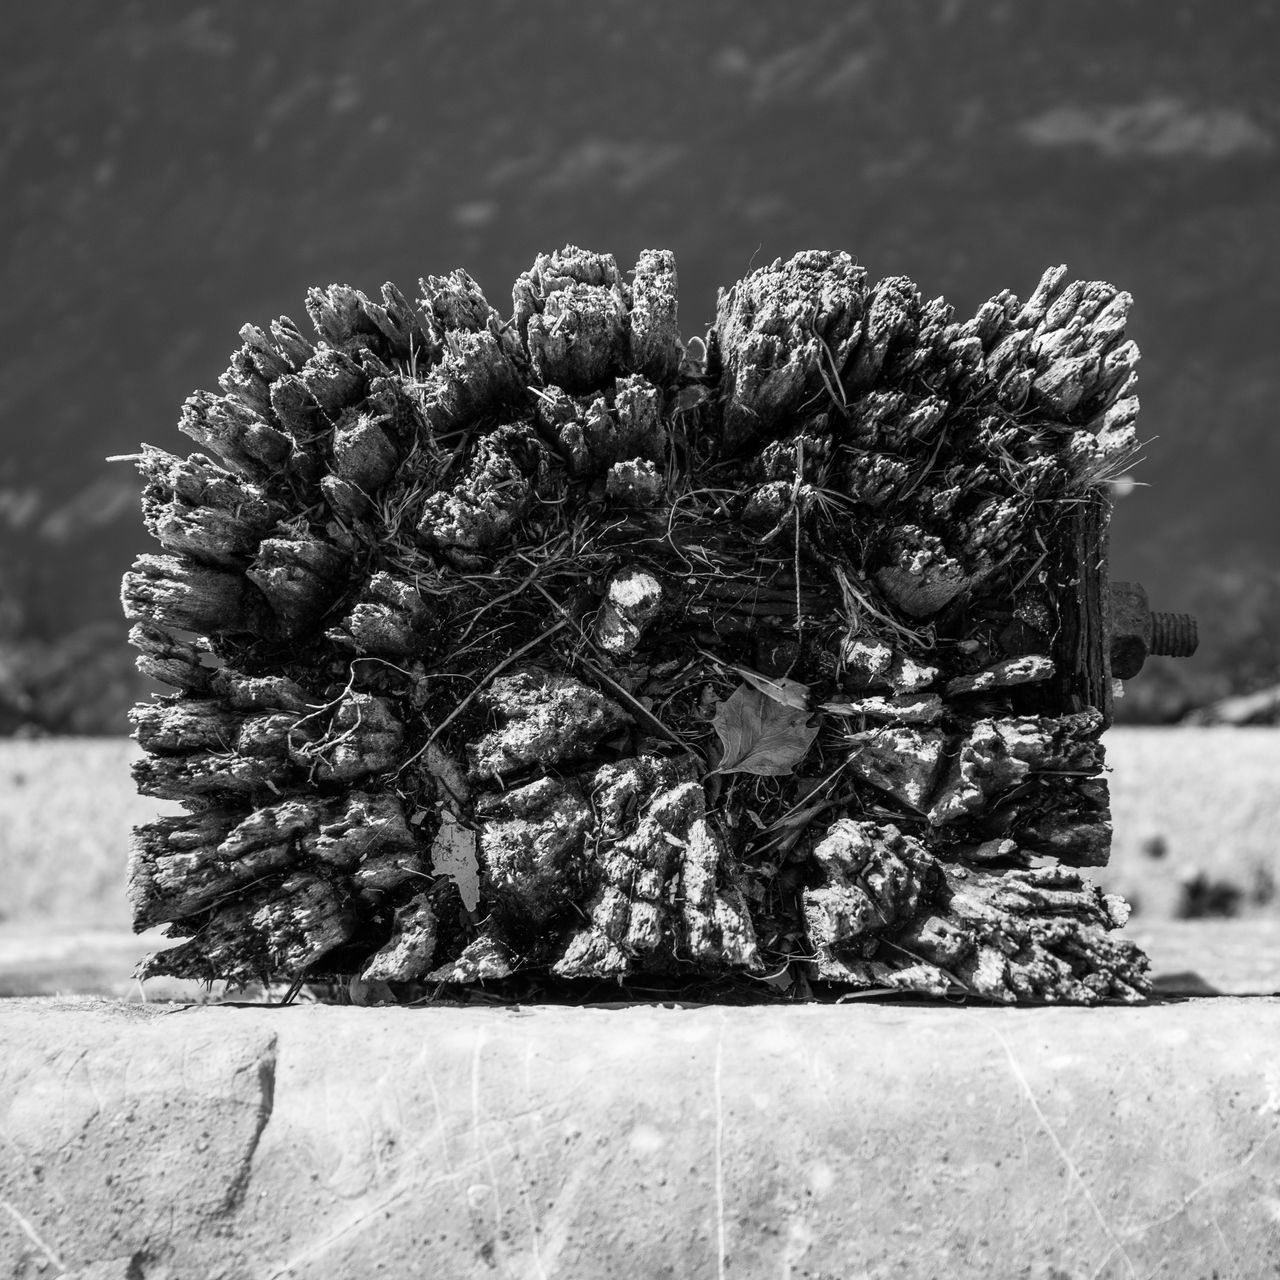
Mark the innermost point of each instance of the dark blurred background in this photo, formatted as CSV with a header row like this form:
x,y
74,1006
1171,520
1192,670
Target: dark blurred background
x,y
171,170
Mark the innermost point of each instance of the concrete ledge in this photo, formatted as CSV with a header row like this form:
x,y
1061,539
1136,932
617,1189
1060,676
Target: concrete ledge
x,y
851,1141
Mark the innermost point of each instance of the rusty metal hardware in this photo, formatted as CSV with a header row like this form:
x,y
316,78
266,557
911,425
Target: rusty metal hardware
x,y
1136,633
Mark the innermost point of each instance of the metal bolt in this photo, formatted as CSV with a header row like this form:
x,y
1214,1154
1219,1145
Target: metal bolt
x,y
1136,633
1174,635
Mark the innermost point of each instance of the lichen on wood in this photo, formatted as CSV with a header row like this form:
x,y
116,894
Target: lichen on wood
x,y
769,663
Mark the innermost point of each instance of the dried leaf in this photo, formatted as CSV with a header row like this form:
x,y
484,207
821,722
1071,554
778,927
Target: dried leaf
x,y
791,693
760,734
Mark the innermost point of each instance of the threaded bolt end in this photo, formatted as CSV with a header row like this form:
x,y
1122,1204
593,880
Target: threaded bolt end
x,y
1174,635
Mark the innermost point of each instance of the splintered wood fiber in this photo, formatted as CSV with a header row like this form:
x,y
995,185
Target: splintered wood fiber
x,y
765,664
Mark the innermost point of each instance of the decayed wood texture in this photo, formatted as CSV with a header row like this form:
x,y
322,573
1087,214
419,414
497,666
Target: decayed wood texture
x,y
770,660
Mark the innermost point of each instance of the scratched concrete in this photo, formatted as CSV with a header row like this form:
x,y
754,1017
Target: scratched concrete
x,y
898,1141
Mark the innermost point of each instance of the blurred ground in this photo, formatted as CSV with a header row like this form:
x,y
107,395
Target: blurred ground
x,y
1196,853
67,806
1196,814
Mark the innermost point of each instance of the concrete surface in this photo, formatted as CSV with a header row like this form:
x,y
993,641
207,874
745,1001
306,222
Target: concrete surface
x,y
1202,800
838,1142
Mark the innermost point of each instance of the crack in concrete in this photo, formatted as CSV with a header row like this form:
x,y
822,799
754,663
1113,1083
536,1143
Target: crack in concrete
x,y
719,1097
30,1232
481,1147
374,1214
1226,1247
21,1154
266,1069
1020,1076
353,1225
1203,1186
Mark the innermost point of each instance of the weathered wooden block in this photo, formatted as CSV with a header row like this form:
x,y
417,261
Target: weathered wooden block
x,y
755,664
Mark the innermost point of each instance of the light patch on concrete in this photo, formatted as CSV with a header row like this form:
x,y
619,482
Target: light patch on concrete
x,y
800,1240
580,1066
644,1140
1272,1104
772,1040
691,1032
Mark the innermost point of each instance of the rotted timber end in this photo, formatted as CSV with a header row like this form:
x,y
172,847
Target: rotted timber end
x,y
763,665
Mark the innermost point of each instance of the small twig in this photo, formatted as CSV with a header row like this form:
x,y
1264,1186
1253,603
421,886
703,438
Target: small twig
x,y
799,610
506,595
856,602
292,994
645,716
642,713
484,680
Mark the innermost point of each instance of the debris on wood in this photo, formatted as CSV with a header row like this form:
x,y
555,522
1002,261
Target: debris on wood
x,y
774,659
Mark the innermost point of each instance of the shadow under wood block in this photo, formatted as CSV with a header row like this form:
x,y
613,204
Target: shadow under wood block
x,y
769,660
